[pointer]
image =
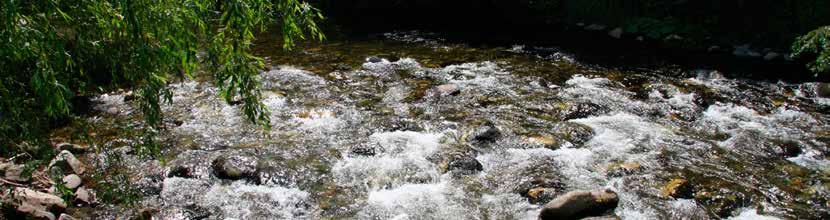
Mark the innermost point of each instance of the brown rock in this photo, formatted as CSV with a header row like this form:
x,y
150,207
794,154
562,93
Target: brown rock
x,y
580,204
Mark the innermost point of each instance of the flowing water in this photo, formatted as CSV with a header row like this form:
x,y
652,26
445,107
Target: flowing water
x,y
413,127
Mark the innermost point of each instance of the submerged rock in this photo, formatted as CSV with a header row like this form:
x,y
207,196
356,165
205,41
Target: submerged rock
x,y
485,134
180,171
575,133
447,90
580,204
541,189
582,110
678,188
464,165
236,167
365,149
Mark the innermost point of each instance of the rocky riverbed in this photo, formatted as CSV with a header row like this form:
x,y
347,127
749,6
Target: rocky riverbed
x,y
412,127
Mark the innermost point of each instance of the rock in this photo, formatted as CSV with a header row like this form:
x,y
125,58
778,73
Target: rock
x,y
721,202
84,195
714,48
641,38
790,148
823,90
180,171
236,167
742,51
580,204
36,204
622,169
14,172
540,189
546,140
541,195
485,134
575,133
364,150
605,217
582,110
595,27
616,33
64,216
374,59
447,90
68,162
771,56
464,165
74,148
72,181
678,188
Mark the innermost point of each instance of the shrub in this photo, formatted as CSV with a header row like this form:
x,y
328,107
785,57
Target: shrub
x,y
816,42
53,50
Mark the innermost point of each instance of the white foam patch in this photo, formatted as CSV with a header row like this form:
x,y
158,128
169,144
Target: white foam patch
x,y
752,214
600,91
402,158
733,119
420,201
319,120
239,200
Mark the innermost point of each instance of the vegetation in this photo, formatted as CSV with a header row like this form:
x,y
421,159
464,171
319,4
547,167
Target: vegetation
x,y
54,53
816,42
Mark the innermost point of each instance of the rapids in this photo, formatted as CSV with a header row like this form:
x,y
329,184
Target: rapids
x,y
361,130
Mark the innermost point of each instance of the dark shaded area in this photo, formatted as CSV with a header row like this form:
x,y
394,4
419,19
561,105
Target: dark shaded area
x,y
702,24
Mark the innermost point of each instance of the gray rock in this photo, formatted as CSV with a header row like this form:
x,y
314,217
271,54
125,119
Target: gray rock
x,y
580,204
595,27
366,149
85,195
374,59
772,56
68,162
72,181
64,216
14,172
36,204
464,165
236,167
582,110
575,133
485,134
616,33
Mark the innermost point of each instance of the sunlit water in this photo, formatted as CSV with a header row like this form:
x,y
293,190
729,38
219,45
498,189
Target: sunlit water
x,y
723,135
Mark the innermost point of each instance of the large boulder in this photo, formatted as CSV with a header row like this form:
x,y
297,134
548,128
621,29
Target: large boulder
x,y
13,172
580,204
35,204
236,167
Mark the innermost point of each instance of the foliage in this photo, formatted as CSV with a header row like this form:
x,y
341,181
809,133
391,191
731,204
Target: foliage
x,y
52,51
816,42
